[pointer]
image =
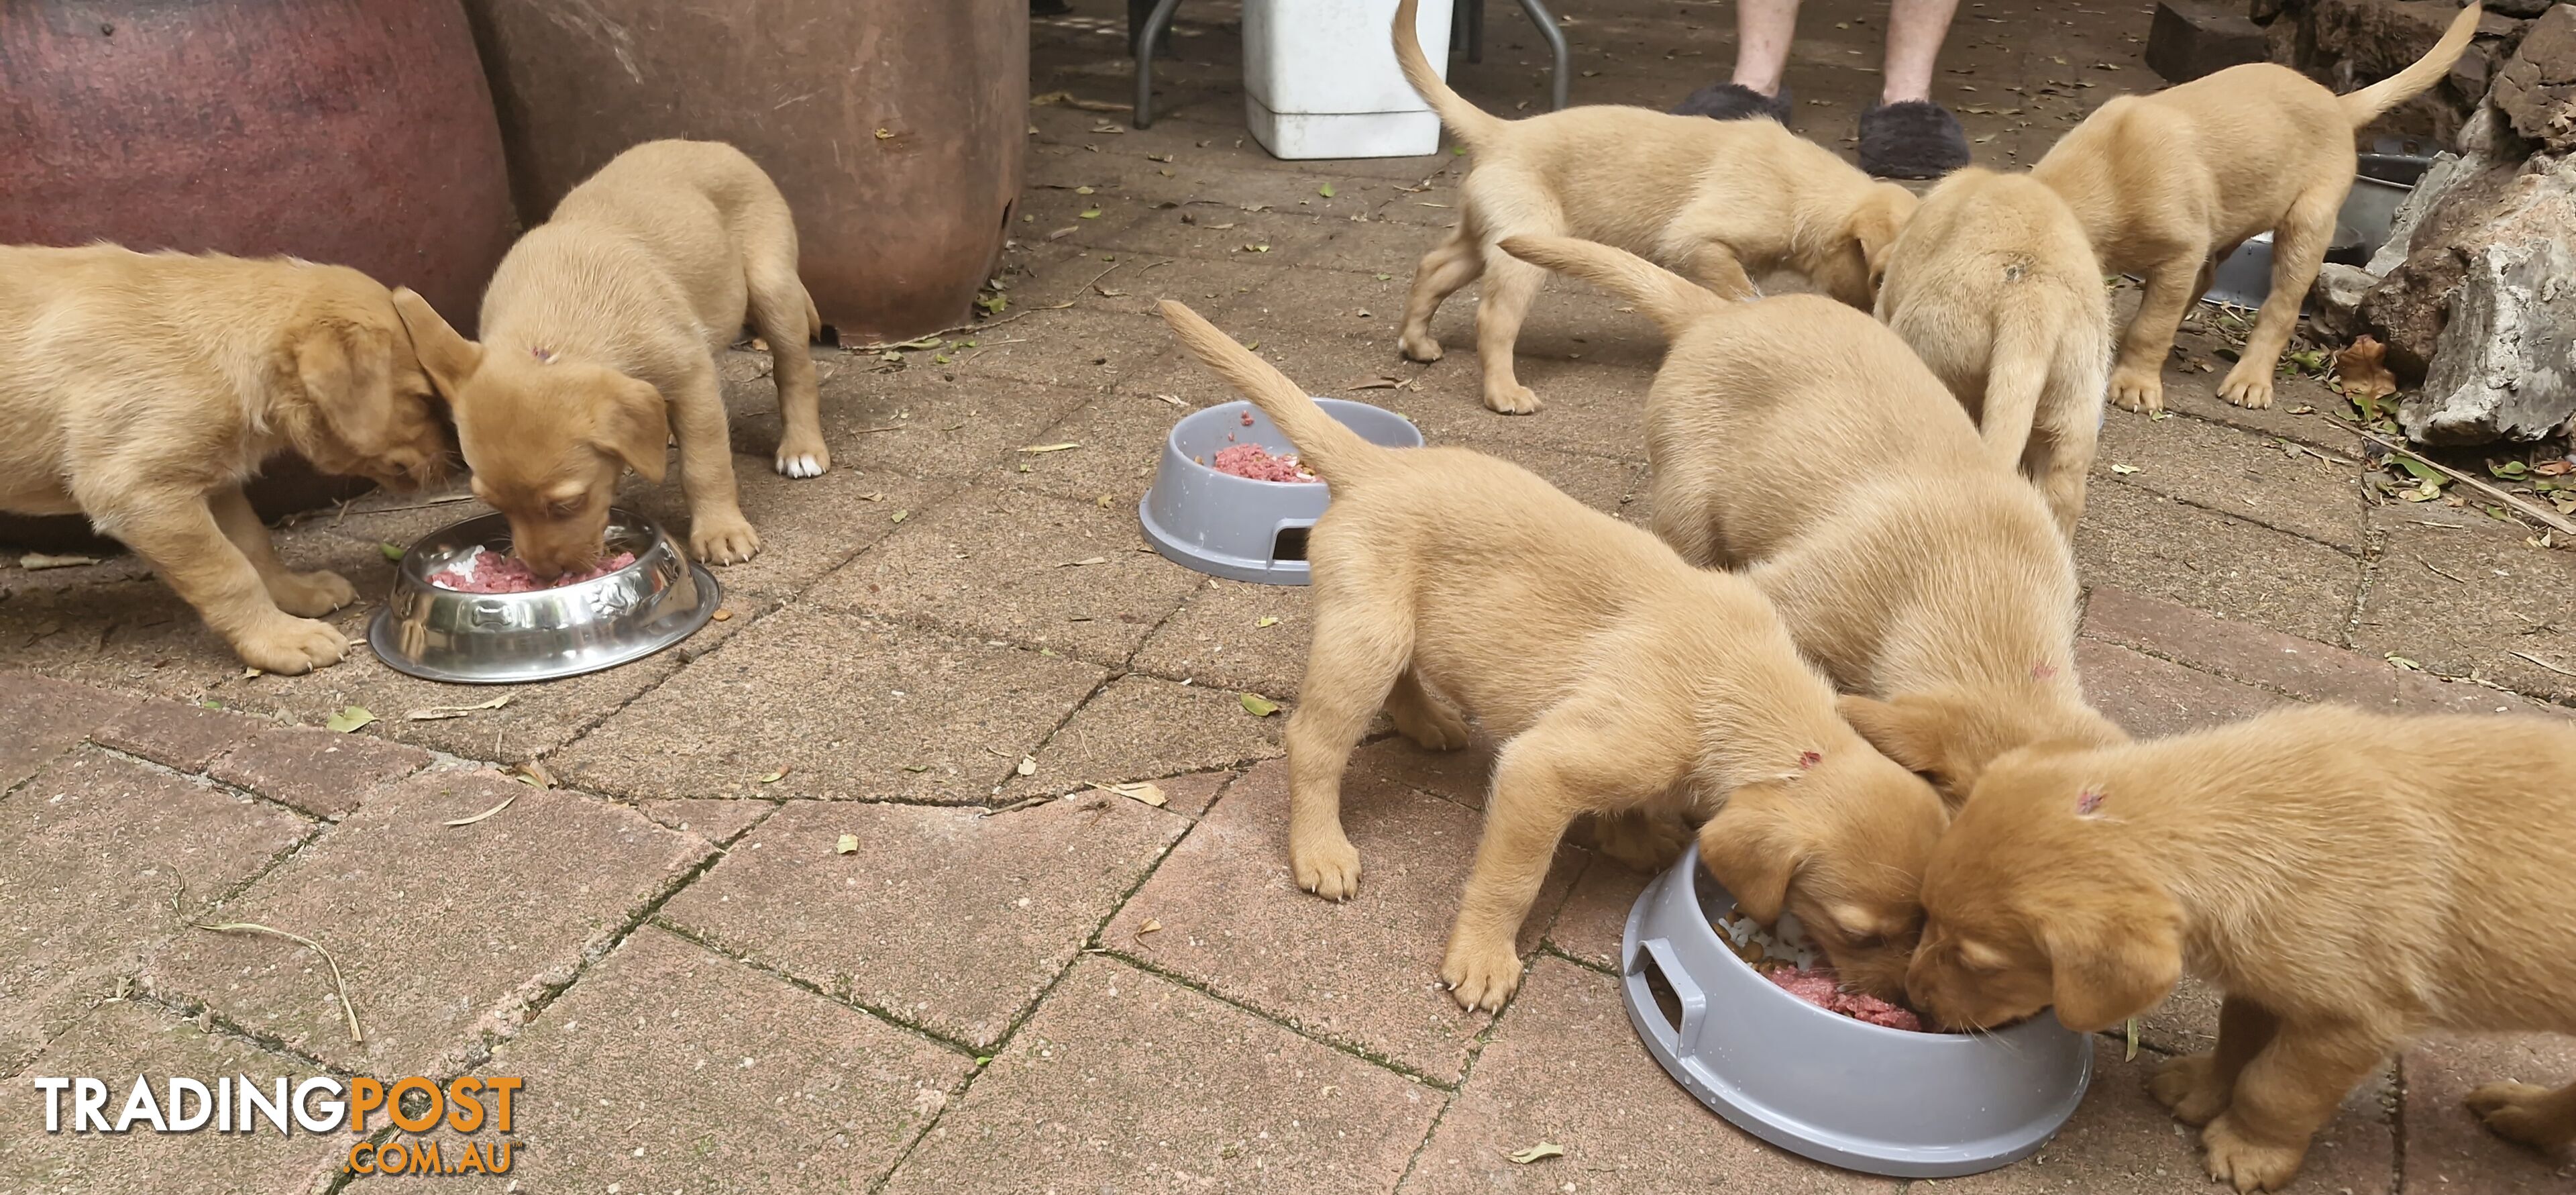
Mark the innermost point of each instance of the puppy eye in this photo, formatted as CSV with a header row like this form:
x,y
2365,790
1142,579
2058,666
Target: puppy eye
x,y
566,508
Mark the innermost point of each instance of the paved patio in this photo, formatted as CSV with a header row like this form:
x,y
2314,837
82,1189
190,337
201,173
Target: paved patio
x,y
1082,992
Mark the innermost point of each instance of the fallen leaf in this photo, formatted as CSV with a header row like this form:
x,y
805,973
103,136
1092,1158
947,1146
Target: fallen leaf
x,y
1151,926
348,719
393,552
1139,790
1536,1153
1028,765
435,713
848,844
2124,470
1380,383
1052,97
1085,560
1256,248
1158,157
1036,448
467,821
1102,502
347,1009
722,615
775,777
250,673
2405,665
1386,277
1082,190
916,767
1326,190
1259,706
2132,1054
33,561
901,515
1091,213
1266,620
532,774
883,134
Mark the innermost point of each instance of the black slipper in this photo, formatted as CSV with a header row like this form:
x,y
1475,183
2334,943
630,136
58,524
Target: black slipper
x,y
1733,101
1049,8
1914,139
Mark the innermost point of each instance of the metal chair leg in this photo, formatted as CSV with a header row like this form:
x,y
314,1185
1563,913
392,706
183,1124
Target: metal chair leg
x,y
1546,23
1146,39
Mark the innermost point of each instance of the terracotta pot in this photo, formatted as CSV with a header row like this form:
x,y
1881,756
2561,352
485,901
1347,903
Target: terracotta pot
x,y
896,128
358,132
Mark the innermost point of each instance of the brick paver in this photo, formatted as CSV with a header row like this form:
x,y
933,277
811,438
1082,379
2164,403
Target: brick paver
x,y
318,771
104,858
1126,1081
1364,973
2447,1150
46,718
939,917
1142,728
672,1069
445,934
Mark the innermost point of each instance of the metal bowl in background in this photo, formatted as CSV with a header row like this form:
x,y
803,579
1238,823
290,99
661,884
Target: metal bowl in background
x,y
545,634
1824,1086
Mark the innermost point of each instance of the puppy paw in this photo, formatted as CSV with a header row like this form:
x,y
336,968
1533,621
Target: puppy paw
x,y
2189,1088
2248,1165
1514,400
803,456
1419,346
723,540
2520,1112
1431,725
2247,387
291,646
2138,390
1328,869
310,594
1481,976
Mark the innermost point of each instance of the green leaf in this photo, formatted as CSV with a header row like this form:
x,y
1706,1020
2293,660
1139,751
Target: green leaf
x,y
1259,706
349,719
2509,470
393,552
1386,277
849,845
1266,620
1091,213
901,515
2422,472
994,303
1458,151
1326,190
916,767
2132,1055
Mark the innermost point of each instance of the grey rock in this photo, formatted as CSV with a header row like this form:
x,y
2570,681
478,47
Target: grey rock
x,y
2504,367
2335,300
2536,88
2522,8
2446,172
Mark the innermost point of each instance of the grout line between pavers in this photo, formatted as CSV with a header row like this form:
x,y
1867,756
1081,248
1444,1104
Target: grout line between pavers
x,y
2397,1124
721,947
2354,554
1352,1049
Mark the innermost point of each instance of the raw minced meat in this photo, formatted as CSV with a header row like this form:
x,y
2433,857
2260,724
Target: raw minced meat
x,y
1787,960
492,572
1249,460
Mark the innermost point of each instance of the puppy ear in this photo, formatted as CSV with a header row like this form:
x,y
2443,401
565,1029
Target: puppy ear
x,y
1904,730
1754,853
2111,966
635,427
1875,223
346,375
446,357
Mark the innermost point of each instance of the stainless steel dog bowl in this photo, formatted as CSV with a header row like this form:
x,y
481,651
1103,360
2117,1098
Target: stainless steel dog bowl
x,y
545,634
1824,1086
1236,527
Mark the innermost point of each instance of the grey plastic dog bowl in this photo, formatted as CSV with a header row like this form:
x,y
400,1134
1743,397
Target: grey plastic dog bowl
x,y
1824,1086
1236,527
544,634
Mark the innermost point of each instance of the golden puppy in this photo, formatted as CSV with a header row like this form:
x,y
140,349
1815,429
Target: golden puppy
x,y
143,389
2349,880
1800,440
1724,201
599,337
1620,681
1994,286
2169,184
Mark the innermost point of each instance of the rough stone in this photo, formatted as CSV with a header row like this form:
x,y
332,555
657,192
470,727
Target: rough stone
x,y
1127,1082
2191,38
2334,302
2421,265
1003,902
2536,88
2505,365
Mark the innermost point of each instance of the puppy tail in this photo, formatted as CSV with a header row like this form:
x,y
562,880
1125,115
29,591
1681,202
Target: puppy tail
x,y
1472,124
1333,451
2365,105
1674,302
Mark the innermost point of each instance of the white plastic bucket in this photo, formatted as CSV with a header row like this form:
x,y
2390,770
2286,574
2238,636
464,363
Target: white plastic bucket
x,y
1320,79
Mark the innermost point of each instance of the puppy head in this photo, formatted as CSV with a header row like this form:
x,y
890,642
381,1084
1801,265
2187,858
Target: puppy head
x,y
366,407
1948,736
2037,897
546,439
1840,841
1857,265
